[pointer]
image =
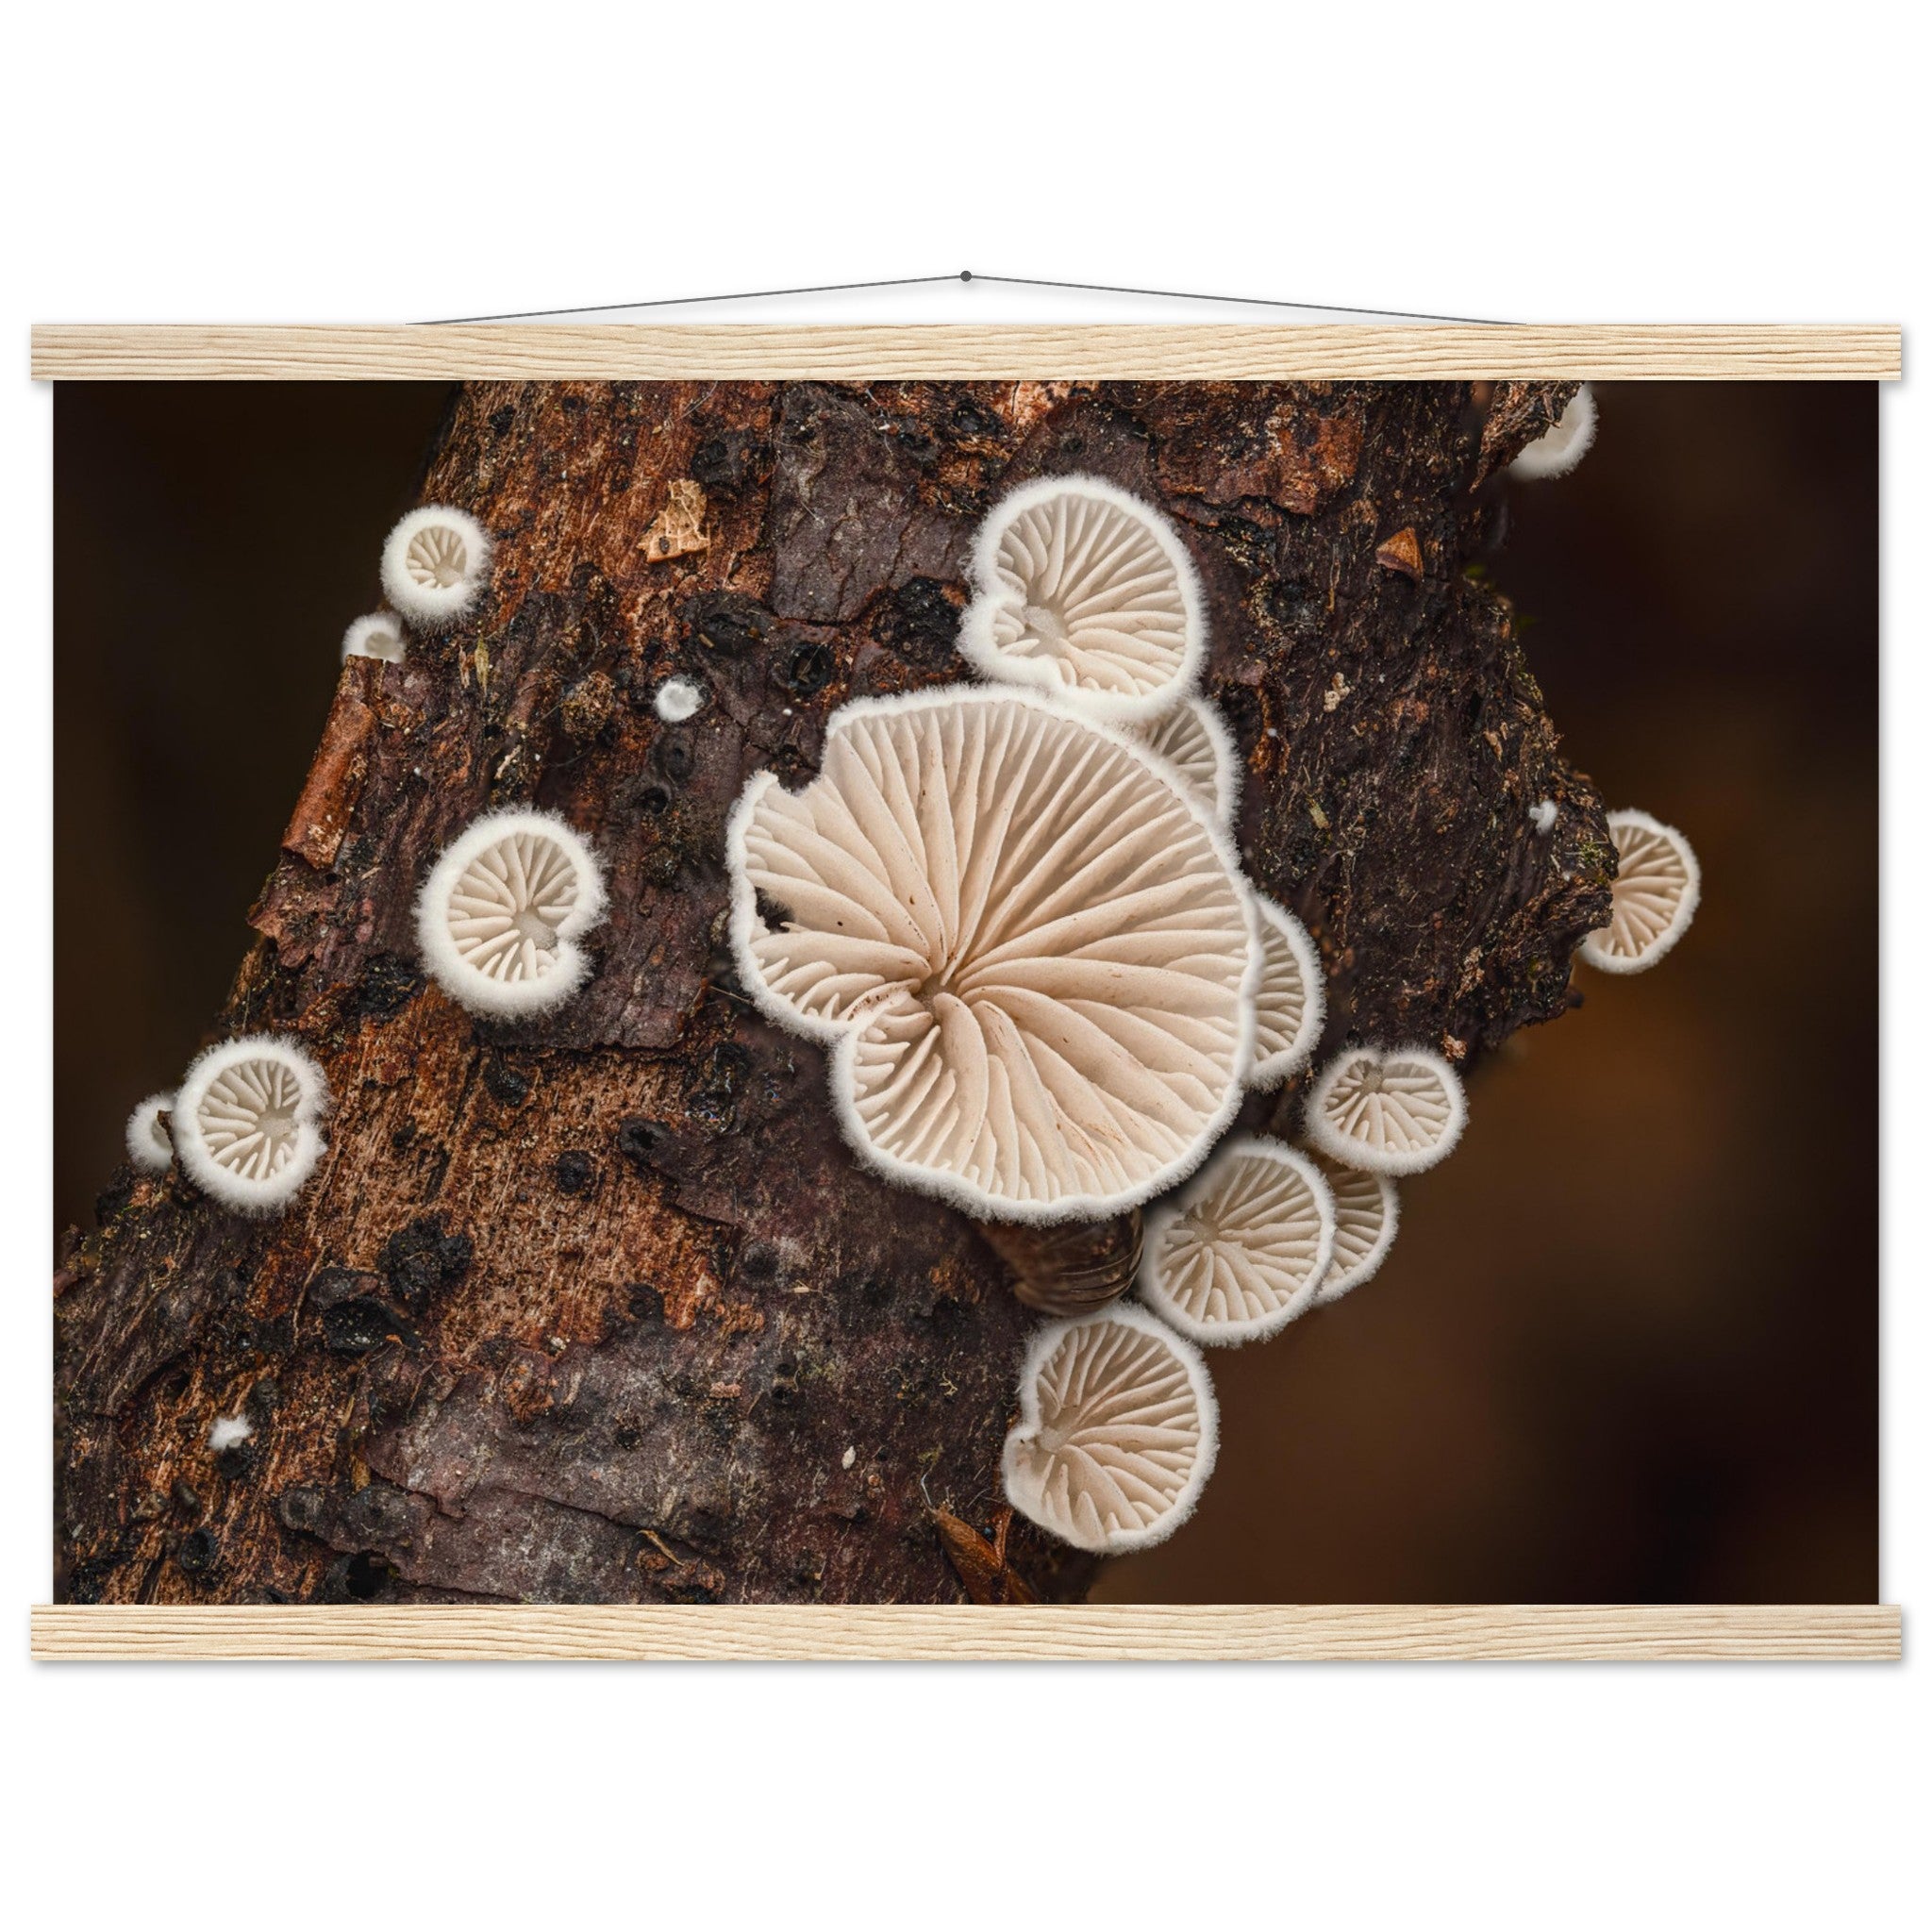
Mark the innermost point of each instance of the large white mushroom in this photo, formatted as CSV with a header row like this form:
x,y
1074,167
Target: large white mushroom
x,y
1653,898
1244,1248
1085,591
1117,1432
1034,956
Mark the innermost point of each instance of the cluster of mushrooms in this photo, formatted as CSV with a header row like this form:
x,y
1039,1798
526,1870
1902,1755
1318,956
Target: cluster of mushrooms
x,y
1014,913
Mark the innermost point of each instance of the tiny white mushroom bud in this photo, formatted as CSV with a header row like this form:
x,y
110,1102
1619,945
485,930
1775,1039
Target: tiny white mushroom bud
x,y
1390,1110
1088,593
1291,997
433,565
1117,1432
1244,1248
679,698
378,635
1034,955
148,1145
246,1122
1198,748
1653,898
1558,451
1365,1222
1543,816
501,914
229,1432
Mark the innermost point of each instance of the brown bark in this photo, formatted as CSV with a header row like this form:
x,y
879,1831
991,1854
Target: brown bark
x,y
599,1308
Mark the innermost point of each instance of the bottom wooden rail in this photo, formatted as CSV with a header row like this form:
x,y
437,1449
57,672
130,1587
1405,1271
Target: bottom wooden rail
x,y
467,1633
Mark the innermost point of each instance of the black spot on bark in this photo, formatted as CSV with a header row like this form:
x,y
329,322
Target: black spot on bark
x,y
726,623
387,986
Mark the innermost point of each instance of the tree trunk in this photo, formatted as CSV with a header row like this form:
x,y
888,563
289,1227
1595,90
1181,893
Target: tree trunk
x,y
599,1308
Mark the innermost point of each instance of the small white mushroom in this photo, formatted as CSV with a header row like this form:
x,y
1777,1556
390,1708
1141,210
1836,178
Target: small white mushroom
x,y
148,1145
1199,749
1365,1220
433,565
1653,898
678,698
1244,1247
1557,451
246,1122
378,635
501,914
1390,1110
1291,997
1117,1432
1034,955
228,1432
1086,592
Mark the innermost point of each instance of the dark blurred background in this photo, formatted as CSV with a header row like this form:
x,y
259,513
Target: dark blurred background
x,y
1625,1346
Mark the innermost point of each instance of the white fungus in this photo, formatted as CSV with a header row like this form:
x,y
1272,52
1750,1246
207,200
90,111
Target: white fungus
x,y
501,914
1653,898
1557,451
246,1122
1198,748
378,635
679,698
433,565
1086,592
148,1145
1117,1432
228,1432
1365,1222
1032,953
1244,1248
1393,1110
1291,997
1543,816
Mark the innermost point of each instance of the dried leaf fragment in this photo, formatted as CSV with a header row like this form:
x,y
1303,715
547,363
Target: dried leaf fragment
x,y
678,529
1403,552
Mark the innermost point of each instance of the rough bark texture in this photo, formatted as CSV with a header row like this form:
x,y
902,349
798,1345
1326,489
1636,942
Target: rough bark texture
x,y
599,1308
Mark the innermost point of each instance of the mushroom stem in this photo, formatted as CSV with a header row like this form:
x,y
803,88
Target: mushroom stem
x,y
1072,1267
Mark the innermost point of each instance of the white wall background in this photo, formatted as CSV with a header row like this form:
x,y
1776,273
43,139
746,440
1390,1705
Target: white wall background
x,y
1678,162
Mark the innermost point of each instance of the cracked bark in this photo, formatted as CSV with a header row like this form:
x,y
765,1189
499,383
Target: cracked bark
x,y
598,1309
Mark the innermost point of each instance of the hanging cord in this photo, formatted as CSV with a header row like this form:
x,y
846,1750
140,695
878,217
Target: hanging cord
x,y
964,276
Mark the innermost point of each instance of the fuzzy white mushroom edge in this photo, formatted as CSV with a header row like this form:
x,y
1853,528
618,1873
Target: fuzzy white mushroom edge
x,y
433,565
378,635
1244,1248
247,1123
1390,1110
1149,1442
844,1031
1141,608
502,911
1560,448
1653,898
148,1145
